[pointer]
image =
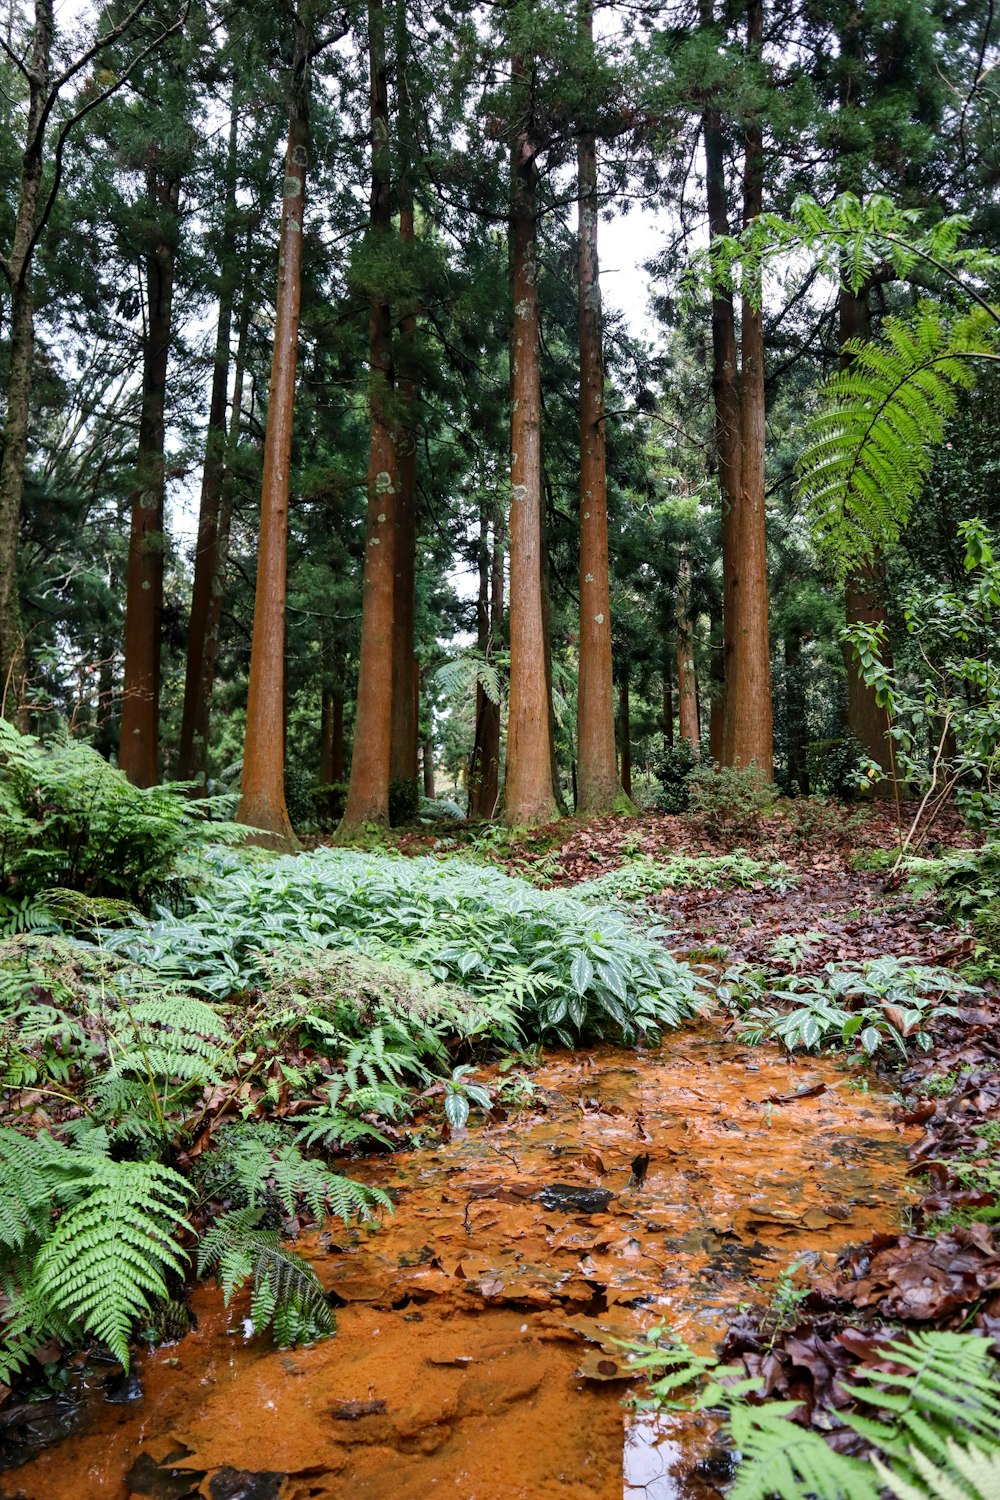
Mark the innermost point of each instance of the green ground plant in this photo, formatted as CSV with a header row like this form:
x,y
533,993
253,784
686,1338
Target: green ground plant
x,y
686,872
885,1000
930,1419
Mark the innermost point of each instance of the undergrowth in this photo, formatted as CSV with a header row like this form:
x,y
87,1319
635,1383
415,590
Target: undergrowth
x,y
687,872
928,1415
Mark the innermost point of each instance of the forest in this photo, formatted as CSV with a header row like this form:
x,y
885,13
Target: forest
x,y
500,750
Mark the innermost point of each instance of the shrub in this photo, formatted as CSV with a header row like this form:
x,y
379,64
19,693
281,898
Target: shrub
x,y
68,819
672,766
648,877
563,966
834,766
730,801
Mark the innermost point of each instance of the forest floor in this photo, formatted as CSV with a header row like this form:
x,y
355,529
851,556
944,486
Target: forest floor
x,y
794,1205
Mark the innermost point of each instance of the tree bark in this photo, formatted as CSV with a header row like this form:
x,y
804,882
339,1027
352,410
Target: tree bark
x,y
625,726
262,799
863,594
138,751
484,767
529,796
725,392
667,673
405,673
598,789
687,683
203,702
193,754
795,712
428,765
368,795
749,732
21,358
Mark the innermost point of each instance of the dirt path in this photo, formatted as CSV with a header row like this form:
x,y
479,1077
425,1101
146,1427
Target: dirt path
x,y
475,1354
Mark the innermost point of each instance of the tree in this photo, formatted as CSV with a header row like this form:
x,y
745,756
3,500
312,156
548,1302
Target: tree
x,y
262,791
371,762
599,790
31,218
529,796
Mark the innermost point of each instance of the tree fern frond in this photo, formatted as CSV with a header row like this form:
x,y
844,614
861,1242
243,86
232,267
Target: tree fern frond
x,y
871,443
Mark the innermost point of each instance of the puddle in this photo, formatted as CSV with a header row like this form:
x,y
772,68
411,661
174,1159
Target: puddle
x,y
475,1354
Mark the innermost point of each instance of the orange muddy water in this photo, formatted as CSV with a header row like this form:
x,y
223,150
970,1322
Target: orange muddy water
x,y
475,1356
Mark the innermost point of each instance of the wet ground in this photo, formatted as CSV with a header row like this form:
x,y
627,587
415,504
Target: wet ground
x,y
476,1352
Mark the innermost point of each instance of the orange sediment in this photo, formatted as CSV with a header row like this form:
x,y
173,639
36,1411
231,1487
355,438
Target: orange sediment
x,y
476,1354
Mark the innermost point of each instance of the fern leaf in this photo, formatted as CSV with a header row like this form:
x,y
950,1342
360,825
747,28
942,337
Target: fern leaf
x,y
872,441
977,1471
108,1256
781,1458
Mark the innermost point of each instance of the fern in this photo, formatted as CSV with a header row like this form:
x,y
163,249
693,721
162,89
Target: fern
x,y
459,676
778,1457
107,1259
970,1474
871,444
260,1165
286,1290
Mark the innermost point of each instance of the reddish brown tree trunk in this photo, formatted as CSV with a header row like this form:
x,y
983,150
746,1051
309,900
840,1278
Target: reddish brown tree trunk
x,y
598,788
484,766
203,702
138,752
193,754
529,797
21,350
863,594
725,391
687,683
368,795
405,671
625,726
262,800
749,734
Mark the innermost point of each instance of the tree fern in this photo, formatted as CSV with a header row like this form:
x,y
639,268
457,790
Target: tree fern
x,y
286,1290
871,443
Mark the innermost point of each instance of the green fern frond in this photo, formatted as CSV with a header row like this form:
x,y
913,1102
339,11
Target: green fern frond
x,y
972,1474
107,1258
871,443
265,1166
34,1172
778,1457
461,674
286,1290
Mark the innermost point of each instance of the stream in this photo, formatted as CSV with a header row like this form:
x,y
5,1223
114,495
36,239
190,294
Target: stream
x,y
476,1354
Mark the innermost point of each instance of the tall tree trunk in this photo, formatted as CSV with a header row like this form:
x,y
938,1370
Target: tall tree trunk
x,y
193,754
368,795
529,796
725,391
484,775
863,594
748,733
717,696
405,673
687,683
427,756
667,673
138,751
262,799
625,725
203,703
598,788
21,351
795,711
